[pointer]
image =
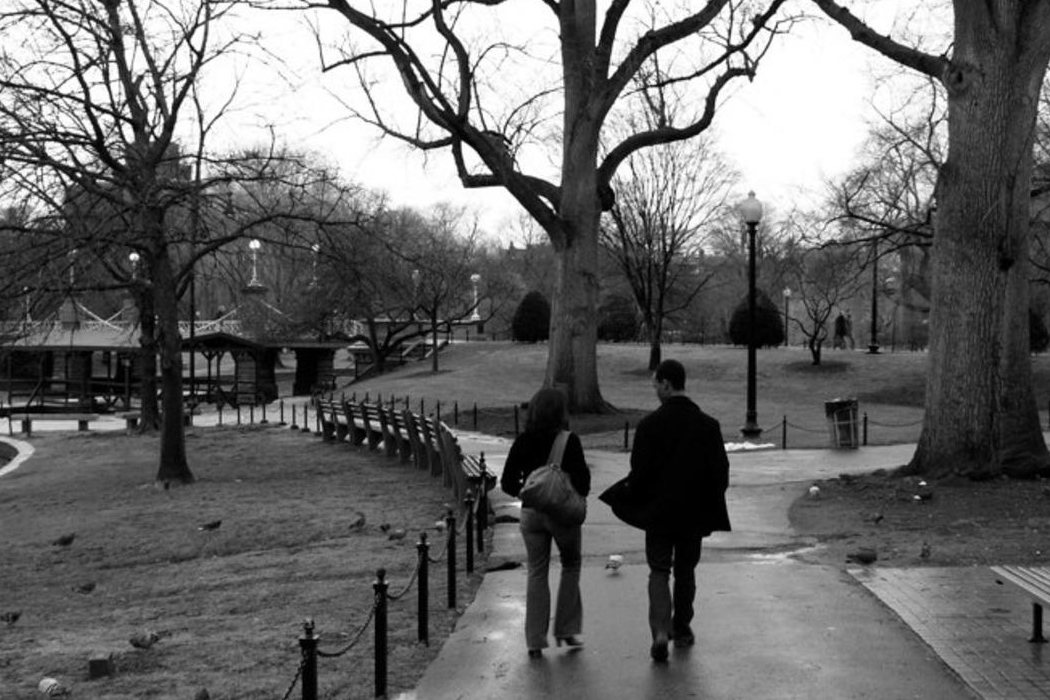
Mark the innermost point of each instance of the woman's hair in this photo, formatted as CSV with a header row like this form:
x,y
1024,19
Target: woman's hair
x,y
548,410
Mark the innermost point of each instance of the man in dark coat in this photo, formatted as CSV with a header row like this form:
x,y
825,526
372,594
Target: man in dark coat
x,y
679,473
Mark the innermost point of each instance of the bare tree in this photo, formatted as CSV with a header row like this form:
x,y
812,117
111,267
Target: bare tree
x,y
826,278
887,203
461,85
981,416
443,259
95,97
669,198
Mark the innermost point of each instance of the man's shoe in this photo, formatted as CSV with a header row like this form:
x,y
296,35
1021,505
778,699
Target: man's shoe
x,y
659,649
686,639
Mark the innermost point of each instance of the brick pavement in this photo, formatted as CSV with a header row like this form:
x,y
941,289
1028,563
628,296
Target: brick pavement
x,y
979,628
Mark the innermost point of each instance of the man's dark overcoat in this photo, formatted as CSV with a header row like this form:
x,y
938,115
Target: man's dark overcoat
x,y
679,470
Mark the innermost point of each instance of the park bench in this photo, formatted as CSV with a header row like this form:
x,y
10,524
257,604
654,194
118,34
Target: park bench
x,y
462,472
82,419
427,441
1035,581
395,441
429,433
367,427
332,417
131,420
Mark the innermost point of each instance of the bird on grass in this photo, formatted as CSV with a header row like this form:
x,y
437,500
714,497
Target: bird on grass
x,y
64,540
213,525
144,639
86,587
864,555
398,534
358,522
52,688
385,527
926,550
11,617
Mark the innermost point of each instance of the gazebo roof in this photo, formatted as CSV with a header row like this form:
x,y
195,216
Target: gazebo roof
x,y
90,335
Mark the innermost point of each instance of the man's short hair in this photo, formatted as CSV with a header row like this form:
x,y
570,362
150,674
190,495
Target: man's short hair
x,y
673,372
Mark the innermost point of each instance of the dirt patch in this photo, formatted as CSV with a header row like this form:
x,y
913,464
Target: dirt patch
x,y
911,522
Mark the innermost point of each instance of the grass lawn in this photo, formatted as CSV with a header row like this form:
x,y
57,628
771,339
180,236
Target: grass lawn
x,y
498,376
228,604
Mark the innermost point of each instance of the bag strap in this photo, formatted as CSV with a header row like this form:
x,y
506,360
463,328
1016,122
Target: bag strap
x,y
558,448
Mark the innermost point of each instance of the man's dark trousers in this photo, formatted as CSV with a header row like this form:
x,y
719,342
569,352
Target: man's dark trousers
x,y
667,555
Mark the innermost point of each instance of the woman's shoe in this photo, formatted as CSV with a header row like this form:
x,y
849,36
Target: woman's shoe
x,y
571,641
535,653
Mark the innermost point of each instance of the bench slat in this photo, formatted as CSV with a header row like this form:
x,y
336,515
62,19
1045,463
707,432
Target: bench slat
x,y
1034,580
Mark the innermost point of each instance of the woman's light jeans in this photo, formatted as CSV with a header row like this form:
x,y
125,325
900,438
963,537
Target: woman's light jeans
x,y
538,529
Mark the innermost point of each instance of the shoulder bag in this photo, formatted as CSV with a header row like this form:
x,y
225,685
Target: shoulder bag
x,y
549,490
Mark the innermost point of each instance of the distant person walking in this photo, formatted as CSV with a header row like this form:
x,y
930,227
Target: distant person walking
x,y
839,341
679,475
548,417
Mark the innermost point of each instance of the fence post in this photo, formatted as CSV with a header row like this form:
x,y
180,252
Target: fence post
x,y
626,435
421,411
238,412
483,505
865,441
380,587
784,433
263,421
306,419
251,415
515,420
423,606
293,426
220,413
317,422
468,501
308,646
455,413
475,415
437,412
450,555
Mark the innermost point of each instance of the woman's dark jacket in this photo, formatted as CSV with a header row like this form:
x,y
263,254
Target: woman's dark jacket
x,y
679,470
532,449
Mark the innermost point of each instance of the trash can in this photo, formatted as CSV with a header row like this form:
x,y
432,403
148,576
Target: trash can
x,y
842,422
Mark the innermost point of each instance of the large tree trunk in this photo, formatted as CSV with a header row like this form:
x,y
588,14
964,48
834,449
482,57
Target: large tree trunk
x,y
572,360
656,331
981,417
149,413
174,467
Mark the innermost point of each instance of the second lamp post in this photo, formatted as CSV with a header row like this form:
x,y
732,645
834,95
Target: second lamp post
x,y
751,213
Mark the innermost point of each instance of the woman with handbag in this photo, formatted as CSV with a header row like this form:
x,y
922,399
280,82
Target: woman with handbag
x,y
546,431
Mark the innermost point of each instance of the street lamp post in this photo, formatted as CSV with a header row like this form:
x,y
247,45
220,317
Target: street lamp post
x,y
751,213
787,331
315,249
873,346
474,279
253,246
134,258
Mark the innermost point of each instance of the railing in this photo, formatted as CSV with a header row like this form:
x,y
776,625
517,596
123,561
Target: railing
x,y
307,676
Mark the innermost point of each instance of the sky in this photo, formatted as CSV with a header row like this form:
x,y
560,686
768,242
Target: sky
x,y
798,124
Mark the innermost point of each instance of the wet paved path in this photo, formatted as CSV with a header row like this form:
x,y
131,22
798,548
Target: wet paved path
x,y
768,626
